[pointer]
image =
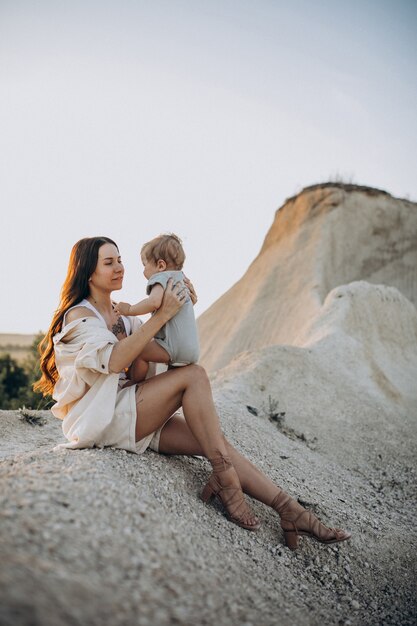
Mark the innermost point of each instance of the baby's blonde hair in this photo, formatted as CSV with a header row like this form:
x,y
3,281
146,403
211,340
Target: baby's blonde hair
x,y
166,247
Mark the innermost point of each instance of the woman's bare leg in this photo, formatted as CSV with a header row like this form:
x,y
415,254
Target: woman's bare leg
x,y
155,353
159,397
176,438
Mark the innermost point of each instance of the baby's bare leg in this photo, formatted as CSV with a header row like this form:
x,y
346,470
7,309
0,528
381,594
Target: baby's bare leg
x,y
152,353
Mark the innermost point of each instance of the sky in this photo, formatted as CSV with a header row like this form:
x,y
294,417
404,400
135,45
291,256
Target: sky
x,y
132,118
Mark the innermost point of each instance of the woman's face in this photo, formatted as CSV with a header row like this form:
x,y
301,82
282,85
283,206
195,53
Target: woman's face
x,y
108,275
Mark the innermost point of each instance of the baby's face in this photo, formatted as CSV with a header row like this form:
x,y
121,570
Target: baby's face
x,y
149,268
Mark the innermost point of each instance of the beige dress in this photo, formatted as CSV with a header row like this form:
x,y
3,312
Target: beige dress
x,y
95,407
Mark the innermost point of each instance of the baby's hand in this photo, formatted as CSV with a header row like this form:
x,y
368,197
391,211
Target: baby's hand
x,y
122,308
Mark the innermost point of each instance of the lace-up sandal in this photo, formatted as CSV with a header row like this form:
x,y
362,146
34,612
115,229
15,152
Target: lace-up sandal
x,y
297,521
229,494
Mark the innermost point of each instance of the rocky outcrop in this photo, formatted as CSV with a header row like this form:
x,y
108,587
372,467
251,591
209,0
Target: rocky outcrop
x,y
327,236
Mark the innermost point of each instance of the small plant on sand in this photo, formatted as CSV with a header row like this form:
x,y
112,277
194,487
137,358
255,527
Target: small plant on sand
x,y
272,413
30,417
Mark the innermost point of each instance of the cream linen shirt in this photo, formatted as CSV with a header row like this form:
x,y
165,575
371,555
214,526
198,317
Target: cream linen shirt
x,y
94,408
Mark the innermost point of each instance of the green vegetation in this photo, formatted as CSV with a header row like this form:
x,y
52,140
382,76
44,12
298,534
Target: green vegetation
x,y
16,381
272,413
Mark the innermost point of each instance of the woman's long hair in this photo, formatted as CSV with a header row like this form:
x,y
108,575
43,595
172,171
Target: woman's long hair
x,y
82,263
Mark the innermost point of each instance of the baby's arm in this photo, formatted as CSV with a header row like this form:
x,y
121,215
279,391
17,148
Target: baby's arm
x,y
147,305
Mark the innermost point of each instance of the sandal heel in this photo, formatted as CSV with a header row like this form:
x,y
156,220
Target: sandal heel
x,y
296,521
230,495
291,539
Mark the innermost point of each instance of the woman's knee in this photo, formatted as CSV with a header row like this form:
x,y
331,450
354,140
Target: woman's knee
x,y
197,373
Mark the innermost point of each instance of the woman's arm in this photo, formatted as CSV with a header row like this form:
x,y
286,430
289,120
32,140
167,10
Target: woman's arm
x,y
126,350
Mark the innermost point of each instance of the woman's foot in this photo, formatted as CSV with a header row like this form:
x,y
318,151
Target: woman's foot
x,y
296,521
224,483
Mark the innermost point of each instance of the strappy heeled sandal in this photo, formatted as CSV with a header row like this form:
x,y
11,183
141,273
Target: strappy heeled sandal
x,y
231,496
312,527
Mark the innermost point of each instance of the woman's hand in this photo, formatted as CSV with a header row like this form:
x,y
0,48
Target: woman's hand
x,y
191,290
173,300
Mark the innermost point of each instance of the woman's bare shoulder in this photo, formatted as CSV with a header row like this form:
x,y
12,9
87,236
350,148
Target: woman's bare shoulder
x,y
77,313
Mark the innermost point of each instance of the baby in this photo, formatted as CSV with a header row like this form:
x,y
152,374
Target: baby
x,y
177,342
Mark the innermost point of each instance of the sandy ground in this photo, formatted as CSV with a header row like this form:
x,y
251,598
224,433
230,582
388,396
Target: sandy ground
x,y
99,537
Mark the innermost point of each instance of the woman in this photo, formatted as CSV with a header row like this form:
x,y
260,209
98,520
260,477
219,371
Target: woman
x,y
88,362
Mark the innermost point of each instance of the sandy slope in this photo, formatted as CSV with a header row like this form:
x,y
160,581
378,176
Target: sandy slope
x,y
350,381
98,537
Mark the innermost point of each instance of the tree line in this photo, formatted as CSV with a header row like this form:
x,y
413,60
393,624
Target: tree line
x,y
16,381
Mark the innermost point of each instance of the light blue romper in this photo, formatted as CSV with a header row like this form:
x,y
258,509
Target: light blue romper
x,y
179,336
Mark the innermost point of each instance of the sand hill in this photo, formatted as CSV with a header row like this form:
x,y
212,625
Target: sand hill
x,y
314,361
323,325
327,236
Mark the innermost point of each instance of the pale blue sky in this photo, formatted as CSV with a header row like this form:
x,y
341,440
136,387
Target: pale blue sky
x,y
128,118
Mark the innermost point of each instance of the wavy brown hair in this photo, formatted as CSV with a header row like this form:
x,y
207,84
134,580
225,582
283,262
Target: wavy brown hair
x,y
82,263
